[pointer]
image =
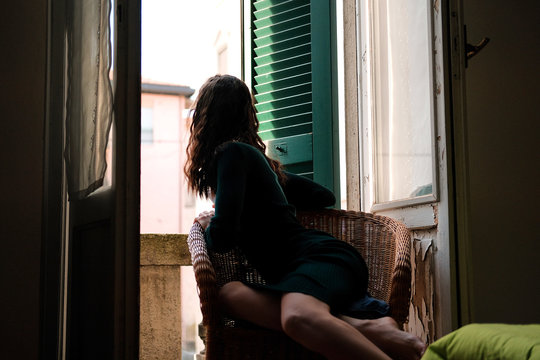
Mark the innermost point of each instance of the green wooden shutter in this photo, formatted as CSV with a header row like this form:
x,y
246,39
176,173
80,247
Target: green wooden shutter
x,y
292,81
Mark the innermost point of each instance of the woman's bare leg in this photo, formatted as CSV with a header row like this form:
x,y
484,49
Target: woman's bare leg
x,y
309,321
385,333
259,307
299,310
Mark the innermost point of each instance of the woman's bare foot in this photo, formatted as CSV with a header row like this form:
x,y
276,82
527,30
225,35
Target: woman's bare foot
x,y
385,333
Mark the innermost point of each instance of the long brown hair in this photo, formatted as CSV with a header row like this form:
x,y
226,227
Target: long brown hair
x,y
224,111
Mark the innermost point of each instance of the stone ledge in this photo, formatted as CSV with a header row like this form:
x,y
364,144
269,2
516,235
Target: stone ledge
x,y
164,249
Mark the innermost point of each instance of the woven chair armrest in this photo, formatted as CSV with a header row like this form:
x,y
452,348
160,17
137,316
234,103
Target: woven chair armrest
x,y
400,294
400,282
205,275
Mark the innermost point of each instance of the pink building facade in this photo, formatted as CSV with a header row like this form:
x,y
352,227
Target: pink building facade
x,y
166,205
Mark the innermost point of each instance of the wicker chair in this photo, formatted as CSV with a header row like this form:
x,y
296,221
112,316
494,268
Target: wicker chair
x,y
383,242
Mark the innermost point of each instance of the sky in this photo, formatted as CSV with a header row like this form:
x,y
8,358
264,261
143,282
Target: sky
x,y
177,45
179,39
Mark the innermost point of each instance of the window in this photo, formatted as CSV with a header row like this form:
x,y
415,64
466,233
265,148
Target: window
x,y
147,125
398,103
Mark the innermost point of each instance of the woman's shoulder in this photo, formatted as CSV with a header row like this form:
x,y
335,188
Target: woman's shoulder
x,y
237,148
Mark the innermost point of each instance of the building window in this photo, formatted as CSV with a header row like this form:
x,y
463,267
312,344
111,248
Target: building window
x,y
147,125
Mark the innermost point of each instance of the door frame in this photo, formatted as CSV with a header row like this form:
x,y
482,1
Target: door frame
x,y
457,154
127,109
54,199
124,193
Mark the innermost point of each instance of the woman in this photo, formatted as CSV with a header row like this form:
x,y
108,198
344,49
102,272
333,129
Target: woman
x,y
312,277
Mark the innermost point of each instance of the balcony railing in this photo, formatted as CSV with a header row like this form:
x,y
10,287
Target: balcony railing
x,y
162,256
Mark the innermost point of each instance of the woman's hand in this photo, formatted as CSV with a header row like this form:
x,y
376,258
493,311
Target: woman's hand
x,y
204,218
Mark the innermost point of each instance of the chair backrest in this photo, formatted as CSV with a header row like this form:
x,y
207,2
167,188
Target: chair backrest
x,y
371,237
385,245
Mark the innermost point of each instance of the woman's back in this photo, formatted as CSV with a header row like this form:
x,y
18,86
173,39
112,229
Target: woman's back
x,y
252,212
251,209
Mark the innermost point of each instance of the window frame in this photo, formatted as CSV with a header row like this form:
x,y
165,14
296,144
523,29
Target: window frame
x,y
367,107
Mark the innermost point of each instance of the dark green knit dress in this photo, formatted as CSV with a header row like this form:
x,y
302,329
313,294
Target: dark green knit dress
x,y
253,213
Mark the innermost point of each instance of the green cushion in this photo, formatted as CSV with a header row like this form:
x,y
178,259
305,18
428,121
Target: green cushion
x,y
488,341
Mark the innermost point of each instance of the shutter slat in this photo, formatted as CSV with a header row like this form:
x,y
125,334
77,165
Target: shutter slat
x,y
263,4
287,34
279,123
272,16
282,26
286,131
283,93
266,8
296,110
283,55
283,83
294,42
283,64
283,74
290,101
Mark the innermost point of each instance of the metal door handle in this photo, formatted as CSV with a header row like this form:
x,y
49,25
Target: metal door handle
x,y
472,50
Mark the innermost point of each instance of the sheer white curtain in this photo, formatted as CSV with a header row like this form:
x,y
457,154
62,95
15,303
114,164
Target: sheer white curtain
x,y
89,95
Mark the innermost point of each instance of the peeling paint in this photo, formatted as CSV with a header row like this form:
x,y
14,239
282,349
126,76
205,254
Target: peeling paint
x,y
365,179
421,314
426,249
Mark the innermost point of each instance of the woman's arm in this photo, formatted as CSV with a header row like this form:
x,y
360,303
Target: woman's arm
x,y
306,194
